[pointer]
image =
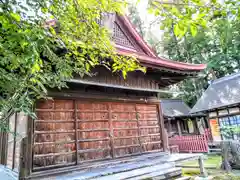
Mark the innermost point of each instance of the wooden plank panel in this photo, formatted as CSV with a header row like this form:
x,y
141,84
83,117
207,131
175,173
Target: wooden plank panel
x,y
149,127
125,128
69,131
58,128
93,130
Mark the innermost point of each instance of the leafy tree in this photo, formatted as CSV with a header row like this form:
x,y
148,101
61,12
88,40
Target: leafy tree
x,y
200,32
136,19
36,54
191,15
217,46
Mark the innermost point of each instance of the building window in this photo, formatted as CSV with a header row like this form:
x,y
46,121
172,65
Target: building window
x,y
212,114
230,127
233,110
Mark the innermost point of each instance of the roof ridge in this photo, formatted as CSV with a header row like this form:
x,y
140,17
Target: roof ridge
x,y
228,77
143,44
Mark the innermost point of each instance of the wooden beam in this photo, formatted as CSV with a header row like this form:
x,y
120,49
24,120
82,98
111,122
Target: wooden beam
x,y
14,140
138,125
111,133
4,145
202,169
179,128
169,126
76,130
162,129
23,169
29,146
107,98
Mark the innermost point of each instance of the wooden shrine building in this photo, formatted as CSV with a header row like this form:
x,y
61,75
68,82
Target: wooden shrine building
x,y
179,121
102,117
221,102
186,132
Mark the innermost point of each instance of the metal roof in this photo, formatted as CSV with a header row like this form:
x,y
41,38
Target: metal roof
x,y
176,108
221,93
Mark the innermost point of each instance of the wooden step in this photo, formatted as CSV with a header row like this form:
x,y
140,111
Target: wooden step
x,y
110,167
101,164
160,174
143,173
120,168
184,178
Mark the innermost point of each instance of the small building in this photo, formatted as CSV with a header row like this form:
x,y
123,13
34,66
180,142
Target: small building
x,y
221,102
179,121
186,132
98,118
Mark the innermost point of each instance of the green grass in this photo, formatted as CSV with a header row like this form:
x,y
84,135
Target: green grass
x,y
217,174
190,172
213,161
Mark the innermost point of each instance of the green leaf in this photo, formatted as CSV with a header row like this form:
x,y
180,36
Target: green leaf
x,y
175,11
15,16
203,22
201,15
193,29
52,30
124,73
87,67
35,68
177,30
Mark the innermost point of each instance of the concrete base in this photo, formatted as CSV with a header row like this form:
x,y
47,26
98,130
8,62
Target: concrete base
x,y
203,178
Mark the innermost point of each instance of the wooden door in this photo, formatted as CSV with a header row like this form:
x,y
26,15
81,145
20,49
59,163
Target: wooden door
x,y
135,128
54,134
149,127
93,130
125,129
75,131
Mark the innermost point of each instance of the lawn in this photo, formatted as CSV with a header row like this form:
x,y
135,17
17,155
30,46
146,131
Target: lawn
x,y
216,173
212,161
212,164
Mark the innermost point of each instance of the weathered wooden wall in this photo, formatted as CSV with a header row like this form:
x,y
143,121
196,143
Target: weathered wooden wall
x,y
134,79
75,131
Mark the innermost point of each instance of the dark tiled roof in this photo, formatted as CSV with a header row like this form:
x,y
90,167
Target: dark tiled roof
x,y
222,92
175,108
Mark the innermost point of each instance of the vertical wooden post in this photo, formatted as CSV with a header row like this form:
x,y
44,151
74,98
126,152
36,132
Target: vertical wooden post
x,y
4,145
203,172
111,135
28,151
196,125
179,128
169,126
162,131
76,130
1,142
4,148
14,140
23,166
138,125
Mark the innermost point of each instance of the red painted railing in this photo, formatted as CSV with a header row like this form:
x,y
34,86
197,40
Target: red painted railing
x,y
191,143
208,135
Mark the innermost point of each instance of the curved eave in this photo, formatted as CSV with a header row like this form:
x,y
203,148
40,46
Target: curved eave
x,y
136,35
161,62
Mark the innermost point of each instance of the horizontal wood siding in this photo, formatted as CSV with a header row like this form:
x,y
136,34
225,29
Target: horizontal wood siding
x,y
69,132
134,79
